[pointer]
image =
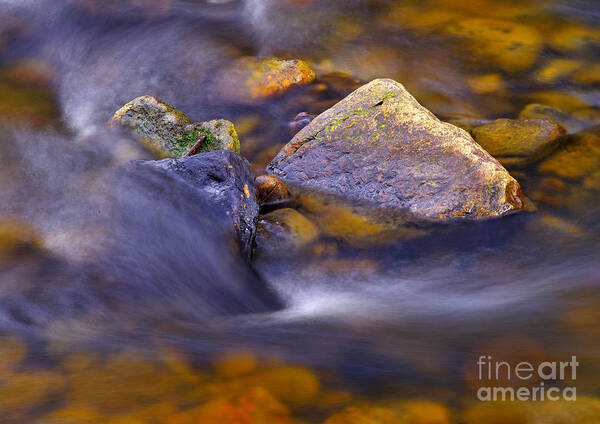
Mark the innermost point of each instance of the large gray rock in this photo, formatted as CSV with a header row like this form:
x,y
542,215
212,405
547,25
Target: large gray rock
x,y
391,160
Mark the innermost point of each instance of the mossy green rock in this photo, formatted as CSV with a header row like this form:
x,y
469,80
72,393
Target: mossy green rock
x,y
518,142
392,160
167,132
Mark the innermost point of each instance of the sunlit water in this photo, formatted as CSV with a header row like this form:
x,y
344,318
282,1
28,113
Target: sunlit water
x,y
403,320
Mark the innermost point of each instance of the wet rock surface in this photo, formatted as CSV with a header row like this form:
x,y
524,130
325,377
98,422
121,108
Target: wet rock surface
x,y
518,142
223,179
167,132
251,80
388,156
272,193
300,121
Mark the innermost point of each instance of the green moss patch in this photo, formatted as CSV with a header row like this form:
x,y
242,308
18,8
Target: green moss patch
x,y
187,141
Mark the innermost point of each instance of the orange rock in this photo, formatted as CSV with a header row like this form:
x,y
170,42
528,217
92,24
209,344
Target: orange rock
x,y
575,39
30,72
578,158
254,406
293,385
589,74
27,390
557,69
74,415
124,383
251,79
424,412
179,366
518,142
269,189
22,102
496,413
235,364
511,46
15,235
487,84
364,414
564,100
156,413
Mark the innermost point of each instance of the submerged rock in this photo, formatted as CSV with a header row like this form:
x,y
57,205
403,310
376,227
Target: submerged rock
x,y
539,111
253,406
250,79
487,84
589,74
575,39
583,410
300,121
567,100
392,160
518,142
17,236
413,412
167,132
364,414
284,231
513,47
26,96
579,157
343,223
557,69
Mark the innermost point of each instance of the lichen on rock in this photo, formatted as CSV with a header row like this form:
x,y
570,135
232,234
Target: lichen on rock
x,y
250,79
390,159
167,132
